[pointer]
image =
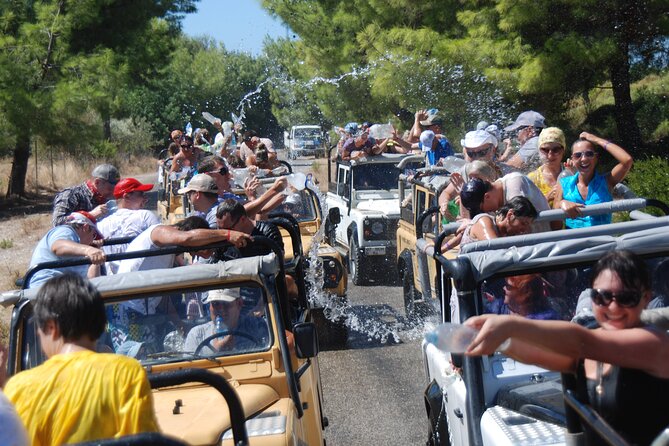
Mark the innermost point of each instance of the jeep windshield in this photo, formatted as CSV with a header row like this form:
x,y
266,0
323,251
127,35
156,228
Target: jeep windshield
x,y
375,176
307,134
300,205
177,326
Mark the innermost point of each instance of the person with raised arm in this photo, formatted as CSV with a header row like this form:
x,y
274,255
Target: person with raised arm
x,y
588,186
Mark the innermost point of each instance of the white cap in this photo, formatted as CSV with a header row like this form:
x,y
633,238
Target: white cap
x,y
477,138
226,295
426,139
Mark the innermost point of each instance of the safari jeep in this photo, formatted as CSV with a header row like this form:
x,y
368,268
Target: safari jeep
x,y
420,219
496,400
366,193
274,370
319,263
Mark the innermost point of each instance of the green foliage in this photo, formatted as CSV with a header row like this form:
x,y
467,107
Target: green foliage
x,y
6,243
103,150
132,136
649,178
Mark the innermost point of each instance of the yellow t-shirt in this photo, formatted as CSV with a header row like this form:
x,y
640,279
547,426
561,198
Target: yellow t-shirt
x,y
537,177
83,396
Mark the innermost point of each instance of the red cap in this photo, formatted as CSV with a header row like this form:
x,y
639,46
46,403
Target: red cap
x,y
85,218
127,185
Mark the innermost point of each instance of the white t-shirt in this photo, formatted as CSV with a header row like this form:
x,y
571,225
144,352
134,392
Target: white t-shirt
x,y
516,184
245,150
124,223
143,242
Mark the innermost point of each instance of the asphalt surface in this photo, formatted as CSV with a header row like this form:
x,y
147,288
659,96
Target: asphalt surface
x,y
373,387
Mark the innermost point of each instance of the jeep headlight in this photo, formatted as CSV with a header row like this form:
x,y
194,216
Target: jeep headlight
x,y
377,228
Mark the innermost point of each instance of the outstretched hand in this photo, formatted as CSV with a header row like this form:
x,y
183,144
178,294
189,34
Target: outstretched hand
x,y
493,329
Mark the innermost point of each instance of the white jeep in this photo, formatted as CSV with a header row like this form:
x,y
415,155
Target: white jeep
x,y
304,140
366,193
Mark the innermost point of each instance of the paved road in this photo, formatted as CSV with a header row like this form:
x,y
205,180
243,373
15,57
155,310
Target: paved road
x,y
373,389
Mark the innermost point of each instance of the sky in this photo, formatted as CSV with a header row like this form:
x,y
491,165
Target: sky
x,y
241,25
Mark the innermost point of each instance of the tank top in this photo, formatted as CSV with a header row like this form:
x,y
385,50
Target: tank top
x,y
467,238
598,192
633,402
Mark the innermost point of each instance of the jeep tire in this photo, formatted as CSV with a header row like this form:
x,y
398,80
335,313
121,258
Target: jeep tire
x,y
357,266
332,334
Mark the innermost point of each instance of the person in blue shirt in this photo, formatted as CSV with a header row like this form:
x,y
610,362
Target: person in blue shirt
x,y
436,146
588,186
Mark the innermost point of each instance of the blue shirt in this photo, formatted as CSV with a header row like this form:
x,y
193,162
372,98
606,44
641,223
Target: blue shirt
x,y
43,253
442,150
598,192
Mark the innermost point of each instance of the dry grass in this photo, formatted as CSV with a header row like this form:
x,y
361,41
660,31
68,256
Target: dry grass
x,y
20,234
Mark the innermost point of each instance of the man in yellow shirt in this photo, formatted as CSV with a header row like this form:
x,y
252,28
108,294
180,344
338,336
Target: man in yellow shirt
x,y
78,395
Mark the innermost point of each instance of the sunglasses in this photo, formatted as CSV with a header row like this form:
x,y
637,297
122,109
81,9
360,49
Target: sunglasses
x,y
478,153
587,154
626,299
553,150
223,171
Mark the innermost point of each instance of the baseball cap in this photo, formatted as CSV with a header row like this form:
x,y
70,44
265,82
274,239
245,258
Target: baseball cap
x,y
426,139
106,172
200,183
472,195
351,127
227,295
127,185
477,138
84,218
528,118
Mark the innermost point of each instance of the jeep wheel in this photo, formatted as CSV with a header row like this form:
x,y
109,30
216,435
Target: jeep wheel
x,y
332,334
355,264
438,434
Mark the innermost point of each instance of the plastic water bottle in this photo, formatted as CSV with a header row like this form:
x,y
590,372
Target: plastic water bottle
x,y
219,325
453,163
240,175
381,131
455,338
111,207
297,180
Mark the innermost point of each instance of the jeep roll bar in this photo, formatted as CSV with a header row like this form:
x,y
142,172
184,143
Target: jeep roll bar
x,y
421,219
590,417
287,164
290,225
178,377
281,305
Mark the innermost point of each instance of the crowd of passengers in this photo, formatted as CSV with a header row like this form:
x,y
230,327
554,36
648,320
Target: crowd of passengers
x,y
63,399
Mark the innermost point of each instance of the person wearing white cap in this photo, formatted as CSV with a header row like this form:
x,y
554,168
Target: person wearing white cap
x,y
91,195
239,332
528,125
72,239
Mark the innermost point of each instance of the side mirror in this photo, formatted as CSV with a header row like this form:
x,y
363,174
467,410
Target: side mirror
x,y
306,340
334,216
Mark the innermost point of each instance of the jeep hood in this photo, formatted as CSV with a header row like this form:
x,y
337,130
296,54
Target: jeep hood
x,y
204,415
387,207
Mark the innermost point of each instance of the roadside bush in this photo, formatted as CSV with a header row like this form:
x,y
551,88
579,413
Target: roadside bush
x,y
132,136
649,178
103,150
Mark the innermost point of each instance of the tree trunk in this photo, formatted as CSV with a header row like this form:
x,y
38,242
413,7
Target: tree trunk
x,y
17,179
628,129
106,124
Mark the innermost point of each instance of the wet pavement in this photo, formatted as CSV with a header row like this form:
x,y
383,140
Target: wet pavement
x,y
372,389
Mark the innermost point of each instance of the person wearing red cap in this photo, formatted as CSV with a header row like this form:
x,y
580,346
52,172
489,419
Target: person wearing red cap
x,y
75,238
130,220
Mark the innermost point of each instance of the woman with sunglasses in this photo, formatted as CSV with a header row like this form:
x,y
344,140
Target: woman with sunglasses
x,y
624,362
588,186
551,145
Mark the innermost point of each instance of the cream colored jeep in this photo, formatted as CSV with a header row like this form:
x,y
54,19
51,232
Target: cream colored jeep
x,y
270,359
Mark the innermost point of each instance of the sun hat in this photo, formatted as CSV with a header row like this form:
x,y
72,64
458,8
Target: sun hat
x,y
127,185
482,125
84,218
226,295
472,195
494,131
552,134
477,138
426,139
528,118
106,172
200,183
